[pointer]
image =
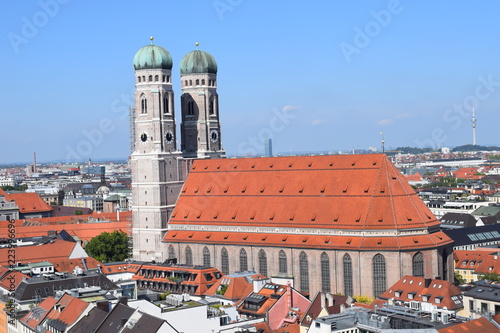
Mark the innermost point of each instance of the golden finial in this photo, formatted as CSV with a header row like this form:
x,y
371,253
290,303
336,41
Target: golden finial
x,y
197,44
151,39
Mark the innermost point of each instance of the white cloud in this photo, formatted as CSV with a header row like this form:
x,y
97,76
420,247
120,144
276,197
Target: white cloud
x,y
404,115
386,121
317,122
291,107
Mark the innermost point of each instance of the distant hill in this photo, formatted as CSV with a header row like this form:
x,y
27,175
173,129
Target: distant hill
x,y
465,148
413,150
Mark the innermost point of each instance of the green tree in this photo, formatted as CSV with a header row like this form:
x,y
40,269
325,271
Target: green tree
x,y
490,277
364,299
459,278
109,247
78,212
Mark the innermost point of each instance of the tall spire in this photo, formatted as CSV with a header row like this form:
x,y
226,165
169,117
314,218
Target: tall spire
x,y
474,120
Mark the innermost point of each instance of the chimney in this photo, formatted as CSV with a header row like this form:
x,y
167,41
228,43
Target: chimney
x,y
427,283
289,296
103,305
323,300
123,300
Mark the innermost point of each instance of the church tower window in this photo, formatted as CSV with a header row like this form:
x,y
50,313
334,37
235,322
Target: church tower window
x,y
211,109
165,104
190,107
171,252
418,264
144,104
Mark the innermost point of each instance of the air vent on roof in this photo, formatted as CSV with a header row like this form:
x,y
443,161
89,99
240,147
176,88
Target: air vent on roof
x,y
290,165
252,216
196,190
226,189
235,166
234,215
282,188
304,240
226,236
345,189
313,217
367,189
284,239
327,240
262,188
244,189
264,238
349,241
209,189
206,167
310,164
415,240
271,217
208,236
218,167
331,164
323,189
184,190
375,163
301,189
191,235
198,215
186,214
252,166
271,165
216,215
245,237
353,163
379,242
292,216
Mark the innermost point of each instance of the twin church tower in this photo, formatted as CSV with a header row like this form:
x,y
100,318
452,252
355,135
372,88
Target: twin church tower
x,y
158,166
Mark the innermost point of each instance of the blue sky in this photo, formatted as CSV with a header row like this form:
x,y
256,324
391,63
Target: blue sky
x,y
314,75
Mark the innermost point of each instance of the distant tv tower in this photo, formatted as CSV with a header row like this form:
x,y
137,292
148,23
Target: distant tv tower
x,y
474,120
383,142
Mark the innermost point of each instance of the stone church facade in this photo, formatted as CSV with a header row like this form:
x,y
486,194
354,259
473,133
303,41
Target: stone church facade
x,y
346,224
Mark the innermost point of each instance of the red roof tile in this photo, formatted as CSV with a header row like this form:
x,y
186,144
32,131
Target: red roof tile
x,y
480,325
348,192
29,202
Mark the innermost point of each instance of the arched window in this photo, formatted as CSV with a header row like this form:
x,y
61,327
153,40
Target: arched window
x,y
224,257
304,272
418,264
379,276
168,78
190,82
185,83
203,82
347,265
262,263
189,256
165,104
197,82
164,78
143,78
156,78
243,260
211,109
171,252
150,78
144,104
282,265
206,257
190,107
325,273
139,79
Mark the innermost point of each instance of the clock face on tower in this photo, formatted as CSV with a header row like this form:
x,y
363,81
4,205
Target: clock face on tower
x,y
169,136
144,137
214,136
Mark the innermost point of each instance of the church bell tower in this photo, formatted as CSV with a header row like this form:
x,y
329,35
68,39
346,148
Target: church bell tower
x,y
156,167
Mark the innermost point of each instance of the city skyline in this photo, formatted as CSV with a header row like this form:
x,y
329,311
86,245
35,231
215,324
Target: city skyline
x,y
311,76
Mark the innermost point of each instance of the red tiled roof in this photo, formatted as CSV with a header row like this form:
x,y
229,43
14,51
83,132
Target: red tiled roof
x,y
437,289
120,268
59,249
69,265
7,277
29,202
237,286
67,309
346,192
480,325
35,317
489,264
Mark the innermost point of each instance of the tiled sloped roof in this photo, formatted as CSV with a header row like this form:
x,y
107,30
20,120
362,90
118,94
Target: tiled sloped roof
x,y
354,192
67,310
38,314
8,277
122,267
489,264
447,294
90,322
469,259
68,265
237,286
58,249
29,202
480,325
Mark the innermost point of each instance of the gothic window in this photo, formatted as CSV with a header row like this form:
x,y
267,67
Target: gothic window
x,y
243,260
347,265
262,263
144,104
211,109
304,272
282,266
189,256
418,264
156,78
190,82
325,273
203,82
197,82
164,78
206,257
139,79
224,261
165,104
379,275
190,107
171,252
143,78
150,78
